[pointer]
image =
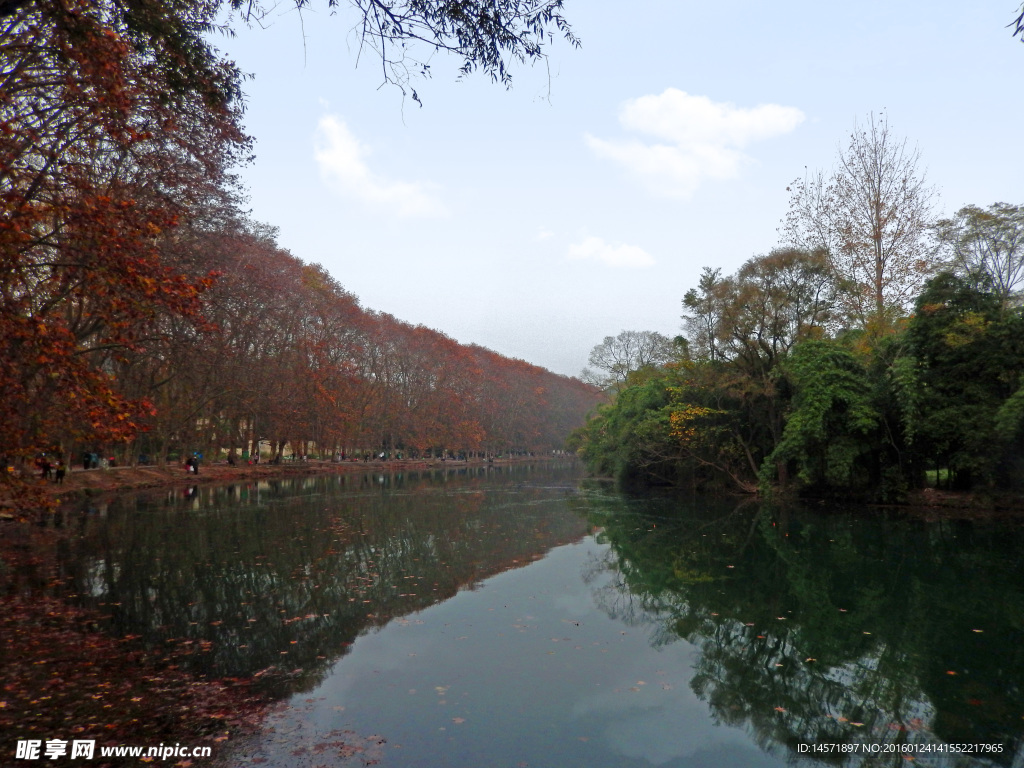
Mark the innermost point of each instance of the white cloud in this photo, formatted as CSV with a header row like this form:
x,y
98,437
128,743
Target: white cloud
x,y
342,165
620,255
694,138
545,234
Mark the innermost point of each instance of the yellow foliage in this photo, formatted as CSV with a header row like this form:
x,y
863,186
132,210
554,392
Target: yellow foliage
x,y
682,422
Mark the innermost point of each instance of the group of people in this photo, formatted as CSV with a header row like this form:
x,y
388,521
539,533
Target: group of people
x,y
192,462
51,470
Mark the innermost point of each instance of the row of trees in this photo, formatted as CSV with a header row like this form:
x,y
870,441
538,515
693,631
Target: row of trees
x,y
879,348
133,294
286,354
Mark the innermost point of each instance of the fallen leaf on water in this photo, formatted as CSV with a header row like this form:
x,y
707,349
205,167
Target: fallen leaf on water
x,y
780,709
458,720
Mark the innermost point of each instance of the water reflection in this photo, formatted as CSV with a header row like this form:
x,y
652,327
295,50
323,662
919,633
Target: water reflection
x,y
278,577
831,627
682,634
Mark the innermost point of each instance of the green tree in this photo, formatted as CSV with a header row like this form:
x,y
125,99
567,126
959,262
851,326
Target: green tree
x,y
969,357
827,433
629,439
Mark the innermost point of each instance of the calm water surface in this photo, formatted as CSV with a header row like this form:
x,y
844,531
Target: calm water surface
x,y
514,617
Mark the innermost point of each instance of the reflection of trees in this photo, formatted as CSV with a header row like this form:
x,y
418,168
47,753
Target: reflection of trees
x,y
836,628
284,575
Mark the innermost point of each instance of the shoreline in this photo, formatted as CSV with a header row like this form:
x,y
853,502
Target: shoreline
x,y
926,503
89,483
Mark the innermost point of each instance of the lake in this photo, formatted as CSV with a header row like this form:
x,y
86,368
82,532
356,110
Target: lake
x,y
522,616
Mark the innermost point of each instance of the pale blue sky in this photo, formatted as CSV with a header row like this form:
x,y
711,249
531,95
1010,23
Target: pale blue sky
x,y
537,224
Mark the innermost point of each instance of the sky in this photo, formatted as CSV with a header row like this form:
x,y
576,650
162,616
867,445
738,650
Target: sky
x,y
585,200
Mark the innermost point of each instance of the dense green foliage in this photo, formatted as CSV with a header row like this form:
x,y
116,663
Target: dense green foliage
x,y
774,394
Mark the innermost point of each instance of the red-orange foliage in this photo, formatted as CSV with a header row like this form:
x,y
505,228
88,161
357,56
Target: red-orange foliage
x,y
103,149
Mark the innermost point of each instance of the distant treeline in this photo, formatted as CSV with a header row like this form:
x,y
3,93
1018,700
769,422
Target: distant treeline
x,y
879,351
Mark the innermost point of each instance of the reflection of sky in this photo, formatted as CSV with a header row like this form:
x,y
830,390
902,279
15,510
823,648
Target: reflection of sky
x,y
523,670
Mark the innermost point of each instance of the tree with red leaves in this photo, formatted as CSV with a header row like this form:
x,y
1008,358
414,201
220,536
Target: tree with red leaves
x,y
105,145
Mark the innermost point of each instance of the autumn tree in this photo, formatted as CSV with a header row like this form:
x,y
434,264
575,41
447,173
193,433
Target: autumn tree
x,y
772,302
106,144
872,215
